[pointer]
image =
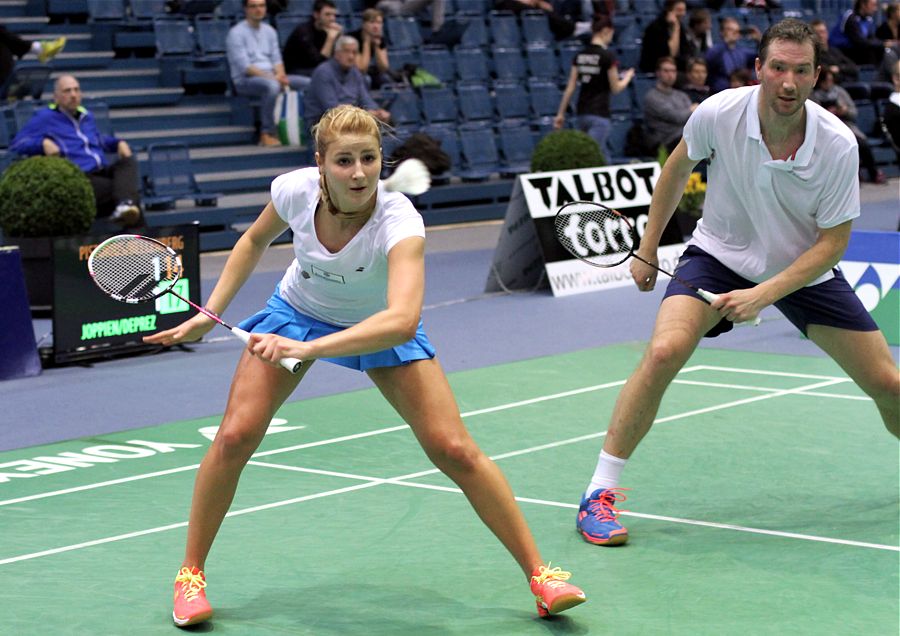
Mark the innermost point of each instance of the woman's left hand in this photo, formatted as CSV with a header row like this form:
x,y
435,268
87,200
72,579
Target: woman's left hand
x,y
270,348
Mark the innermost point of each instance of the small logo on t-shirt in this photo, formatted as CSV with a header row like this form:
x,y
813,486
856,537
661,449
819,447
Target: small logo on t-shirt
x,y
331,276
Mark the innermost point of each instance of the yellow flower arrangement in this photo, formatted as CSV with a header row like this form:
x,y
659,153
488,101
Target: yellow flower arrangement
x,y
694,194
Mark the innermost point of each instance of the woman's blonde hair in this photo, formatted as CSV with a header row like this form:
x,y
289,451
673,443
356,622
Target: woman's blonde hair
x,y
337,122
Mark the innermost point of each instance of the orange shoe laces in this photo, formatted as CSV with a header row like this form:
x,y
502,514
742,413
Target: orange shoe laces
x,y
191,584
555,577
604,508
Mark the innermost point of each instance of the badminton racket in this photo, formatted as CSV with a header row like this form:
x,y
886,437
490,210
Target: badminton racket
x,y
603,237
134,269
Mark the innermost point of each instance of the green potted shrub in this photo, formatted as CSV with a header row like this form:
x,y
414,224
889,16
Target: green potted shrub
x,y
43,197
566,149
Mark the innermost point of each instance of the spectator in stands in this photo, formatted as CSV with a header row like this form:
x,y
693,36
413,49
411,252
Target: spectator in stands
x,y
665,36
666,109
339,81
889,32
695,85
741,77
891,113
412,8
256,66
729,55
596,69
373,54
312,43
855,33
13,47
836,100
699,37
842,67
66,129
560,26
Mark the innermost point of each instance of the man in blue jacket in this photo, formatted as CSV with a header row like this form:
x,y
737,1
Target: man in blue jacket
x,y
67,129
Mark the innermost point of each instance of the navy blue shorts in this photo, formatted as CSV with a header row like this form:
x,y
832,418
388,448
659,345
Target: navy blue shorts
x,y
281,318
832,303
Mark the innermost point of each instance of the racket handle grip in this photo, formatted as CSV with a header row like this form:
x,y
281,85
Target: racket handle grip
x,y
711,298
291,364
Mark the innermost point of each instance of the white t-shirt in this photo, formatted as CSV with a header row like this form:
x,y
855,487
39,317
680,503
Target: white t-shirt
x,y
761,213
348,286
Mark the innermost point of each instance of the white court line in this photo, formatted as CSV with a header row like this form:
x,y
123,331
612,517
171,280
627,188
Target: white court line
x,y
742,387
402,481
372,481
783,374
391,429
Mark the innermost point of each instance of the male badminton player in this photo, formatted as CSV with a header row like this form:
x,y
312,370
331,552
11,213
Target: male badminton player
x,y
353,297
783,191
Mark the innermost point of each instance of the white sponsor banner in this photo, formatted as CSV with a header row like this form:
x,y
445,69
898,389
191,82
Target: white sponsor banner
x,y
624,186
576,277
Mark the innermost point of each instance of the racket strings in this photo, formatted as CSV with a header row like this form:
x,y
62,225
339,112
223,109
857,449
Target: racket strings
x,y
134,268
595,234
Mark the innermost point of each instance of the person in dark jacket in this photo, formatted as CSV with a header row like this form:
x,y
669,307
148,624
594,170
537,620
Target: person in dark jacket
x,y
67,129
312,43
665,36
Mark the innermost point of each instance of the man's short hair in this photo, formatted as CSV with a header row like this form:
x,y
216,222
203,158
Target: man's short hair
x,y
791,30
370,15
345,41
321,4
665,59
698,16
601,22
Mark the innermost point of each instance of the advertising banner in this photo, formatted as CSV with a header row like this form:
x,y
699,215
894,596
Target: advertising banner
x,y
87,323
627,188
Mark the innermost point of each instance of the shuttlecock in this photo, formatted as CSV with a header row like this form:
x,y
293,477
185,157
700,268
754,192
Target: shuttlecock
x,y
410,177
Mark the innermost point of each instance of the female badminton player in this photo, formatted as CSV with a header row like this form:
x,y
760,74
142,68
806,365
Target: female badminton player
x,y
353,297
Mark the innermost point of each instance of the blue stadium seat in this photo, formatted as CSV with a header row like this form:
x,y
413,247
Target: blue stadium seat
x,y
504,27
509,63
567,52
404,104
542,61
614,149
450,144
536,28
479,152
439,104
471,65
174,36
99,10
171,177
475,102
642,83
147,10
629,55
211,33
545,97
476,33
296,7
437,60
398,58
512,101
403,32
623,102
627,29
286,24
28,79
516,145
100,110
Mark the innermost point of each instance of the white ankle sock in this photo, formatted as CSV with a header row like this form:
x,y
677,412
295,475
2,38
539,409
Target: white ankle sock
x,y
606,475
35,47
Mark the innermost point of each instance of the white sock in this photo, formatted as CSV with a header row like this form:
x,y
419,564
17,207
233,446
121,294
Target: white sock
x,y
35,47
606,475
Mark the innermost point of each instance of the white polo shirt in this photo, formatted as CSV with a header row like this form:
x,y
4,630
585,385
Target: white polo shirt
x,y
761,213
348,286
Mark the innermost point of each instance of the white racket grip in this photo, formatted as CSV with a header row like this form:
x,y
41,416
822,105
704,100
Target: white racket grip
x,y
711,297
291,364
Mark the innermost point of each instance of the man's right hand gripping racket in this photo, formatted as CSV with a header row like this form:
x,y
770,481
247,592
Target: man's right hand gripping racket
x,y
606,239
133,269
